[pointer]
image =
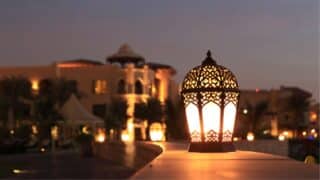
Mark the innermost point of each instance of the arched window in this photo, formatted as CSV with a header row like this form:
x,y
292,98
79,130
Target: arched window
x,y
121,87
138,87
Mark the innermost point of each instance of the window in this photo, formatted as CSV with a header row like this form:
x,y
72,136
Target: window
x,y
138,87
121,87
99,86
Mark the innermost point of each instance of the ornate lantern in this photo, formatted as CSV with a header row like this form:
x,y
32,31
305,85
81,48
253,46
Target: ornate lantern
x,y
210,93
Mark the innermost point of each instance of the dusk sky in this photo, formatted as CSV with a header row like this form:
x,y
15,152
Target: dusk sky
x,y
266,43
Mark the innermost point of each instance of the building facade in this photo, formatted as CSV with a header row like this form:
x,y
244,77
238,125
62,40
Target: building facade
x,y
125,74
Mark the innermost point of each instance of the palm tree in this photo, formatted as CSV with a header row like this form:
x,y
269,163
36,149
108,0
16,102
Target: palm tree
x,y
12,90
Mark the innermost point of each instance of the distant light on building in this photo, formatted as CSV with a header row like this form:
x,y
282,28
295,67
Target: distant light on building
x,y
12,131
125,136
315,135
235,139
245,111
250,136
266,132
100,136
42,149
16,171
313,117
35,85
304,133
156,132
85,130
281,137
34,129
313,131
54,132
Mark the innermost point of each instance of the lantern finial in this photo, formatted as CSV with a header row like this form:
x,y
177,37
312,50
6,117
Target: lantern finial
x,y
209,53
209,60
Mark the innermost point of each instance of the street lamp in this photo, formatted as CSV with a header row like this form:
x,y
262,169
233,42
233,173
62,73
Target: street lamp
x,y
210,94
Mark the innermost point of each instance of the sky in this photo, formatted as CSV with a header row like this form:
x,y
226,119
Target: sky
x,y
266,43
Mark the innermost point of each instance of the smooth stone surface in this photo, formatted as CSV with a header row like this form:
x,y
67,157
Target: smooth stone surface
x,y
176,163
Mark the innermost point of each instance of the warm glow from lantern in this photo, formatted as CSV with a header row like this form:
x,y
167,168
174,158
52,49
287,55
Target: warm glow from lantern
x,y
304,133
315,135
313,131
12,131
156,132
250,136
54,132
229,117
211,117
193,119
313,116
85,130
34,129
235,139
35,85
125,136
100,136
281,137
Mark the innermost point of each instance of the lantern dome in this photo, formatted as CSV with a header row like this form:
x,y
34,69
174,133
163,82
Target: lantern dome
x,y
209,77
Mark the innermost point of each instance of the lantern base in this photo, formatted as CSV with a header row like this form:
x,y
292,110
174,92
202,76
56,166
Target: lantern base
x,y
212,147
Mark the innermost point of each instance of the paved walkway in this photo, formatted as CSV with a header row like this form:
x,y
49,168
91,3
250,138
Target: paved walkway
x,y
176,163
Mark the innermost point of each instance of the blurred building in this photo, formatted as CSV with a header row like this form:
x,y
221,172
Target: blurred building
x,y
125,74
276,111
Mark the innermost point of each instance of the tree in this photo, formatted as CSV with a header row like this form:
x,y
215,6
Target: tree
x,y
176,120
116,115
152,110
255,113
296,106
12,90
53,93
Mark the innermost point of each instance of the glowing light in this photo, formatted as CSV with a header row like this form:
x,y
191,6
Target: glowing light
x,y
156,132
125,137
313,116
12,131
304,133
54,132
193,119
313,131
257,90
35,85
266,131
250,136
100,136
245,111
42,149
285,133
34,129
211,117
315,135
281,137
17,171
85,130
229,117
130,126
235,139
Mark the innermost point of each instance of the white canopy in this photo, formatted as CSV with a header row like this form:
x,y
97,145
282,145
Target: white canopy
x,y
76,114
